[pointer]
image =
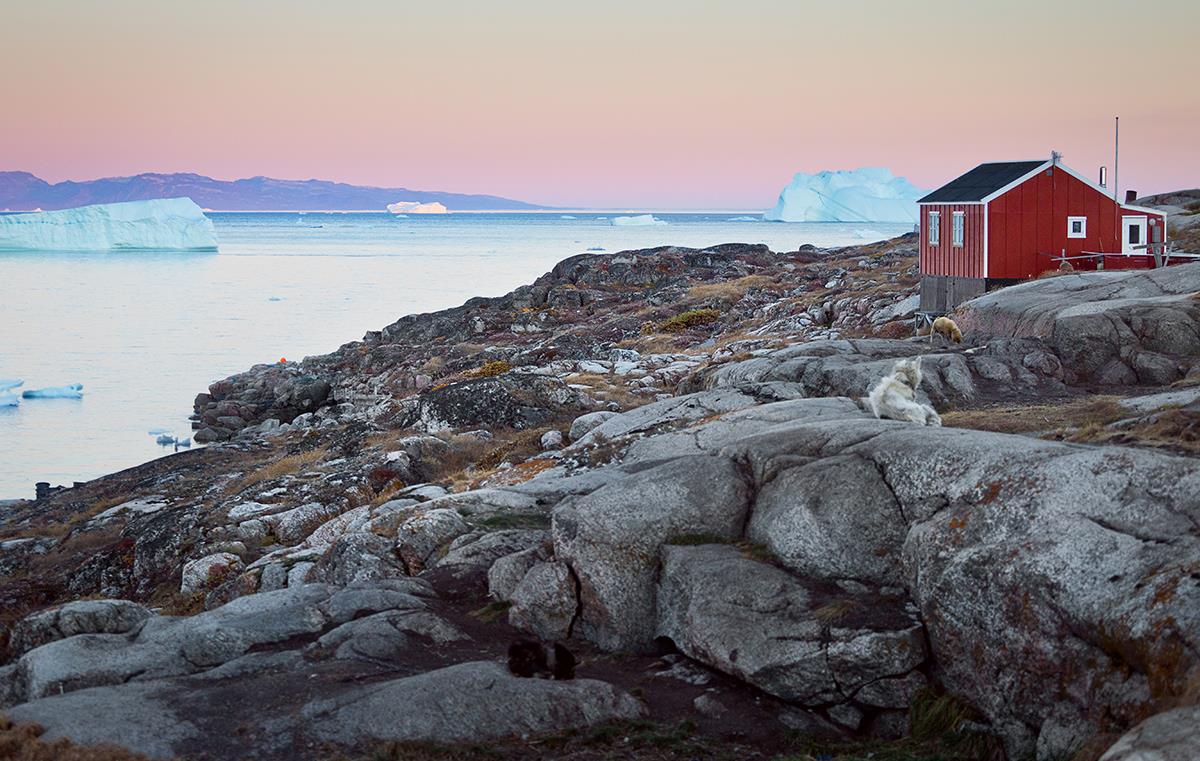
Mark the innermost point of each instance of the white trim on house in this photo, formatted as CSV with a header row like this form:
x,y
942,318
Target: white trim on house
x,y
1102,191
1019,181
1142,210
985,241
1082,227
1143,225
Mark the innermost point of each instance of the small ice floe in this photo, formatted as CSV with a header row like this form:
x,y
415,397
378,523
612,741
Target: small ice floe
x,y
275,298
158,431
637,220
596,248
71,391
744,219
9,399
183,443
869,235
567,216
165,440
9,383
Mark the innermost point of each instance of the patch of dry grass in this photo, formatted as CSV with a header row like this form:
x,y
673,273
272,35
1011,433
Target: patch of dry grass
x,y
835,611
692,318
729,291
1086,421
1079,414
284,466
491,369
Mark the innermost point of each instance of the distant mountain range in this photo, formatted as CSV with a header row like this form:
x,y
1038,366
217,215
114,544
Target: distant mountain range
x,y
22,191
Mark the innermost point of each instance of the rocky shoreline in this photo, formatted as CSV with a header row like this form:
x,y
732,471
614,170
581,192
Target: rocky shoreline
x,y
661,459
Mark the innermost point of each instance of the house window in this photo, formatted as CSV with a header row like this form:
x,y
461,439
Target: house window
x,y
935,227
957,221
1135,235
1076,227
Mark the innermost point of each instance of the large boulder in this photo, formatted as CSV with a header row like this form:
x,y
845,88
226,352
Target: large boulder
x,y
545,602
79,617
1168,736
137,716
1120,327
815,645
511,400
470,702
612,536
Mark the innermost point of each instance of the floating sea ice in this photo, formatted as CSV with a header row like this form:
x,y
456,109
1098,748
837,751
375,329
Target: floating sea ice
x,y
158,431
640,219
275,298
7,383
596,248
567,216
185,443
8,399
165,440
72,391
742,219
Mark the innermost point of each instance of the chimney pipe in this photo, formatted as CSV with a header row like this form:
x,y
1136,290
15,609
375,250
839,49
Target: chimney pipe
x,y
1130,196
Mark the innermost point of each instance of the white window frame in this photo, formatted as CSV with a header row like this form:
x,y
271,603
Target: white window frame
x,y
935,228
1082,227
958,224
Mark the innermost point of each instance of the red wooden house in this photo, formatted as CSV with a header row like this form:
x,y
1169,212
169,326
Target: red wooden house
x,y
1004,222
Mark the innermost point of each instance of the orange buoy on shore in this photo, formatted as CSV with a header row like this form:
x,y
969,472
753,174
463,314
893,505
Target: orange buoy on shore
x,y
282,360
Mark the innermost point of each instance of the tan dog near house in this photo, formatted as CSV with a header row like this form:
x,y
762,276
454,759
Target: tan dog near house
x,y
946,328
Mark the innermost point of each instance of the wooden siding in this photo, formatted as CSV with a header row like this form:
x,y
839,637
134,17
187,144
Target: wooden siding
x,y
945,258
1027,226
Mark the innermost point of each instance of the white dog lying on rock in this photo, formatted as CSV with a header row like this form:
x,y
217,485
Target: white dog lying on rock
x,y
894,396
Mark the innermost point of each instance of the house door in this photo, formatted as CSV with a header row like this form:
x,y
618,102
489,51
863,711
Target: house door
x,y
1133,235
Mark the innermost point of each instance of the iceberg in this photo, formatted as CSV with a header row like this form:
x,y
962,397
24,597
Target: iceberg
x,y
640,219
162,223
870,194
7,383
8,399
73,391
416,207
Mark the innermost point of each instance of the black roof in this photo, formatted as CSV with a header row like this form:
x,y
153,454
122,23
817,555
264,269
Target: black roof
x,y
981,181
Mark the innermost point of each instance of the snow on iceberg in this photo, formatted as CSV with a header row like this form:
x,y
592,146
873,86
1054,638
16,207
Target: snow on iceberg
x,y
8,399
640,219
161,223
7,383
72,391
416,207
870,194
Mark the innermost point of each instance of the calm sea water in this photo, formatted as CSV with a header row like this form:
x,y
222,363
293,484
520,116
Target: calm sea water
x,y
144,332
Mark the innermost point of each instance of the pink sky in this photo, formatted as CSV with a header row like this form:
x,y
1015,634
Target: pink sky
x,y
620,104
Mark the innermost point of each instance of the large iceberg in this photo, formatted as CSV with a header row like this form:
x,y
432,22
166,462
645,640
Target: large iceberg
x,y
870,194
162,223
416,207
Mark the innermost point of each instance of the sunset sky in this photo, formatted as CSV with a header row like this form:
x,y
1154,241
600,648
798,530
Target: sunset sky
x,y
658,104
